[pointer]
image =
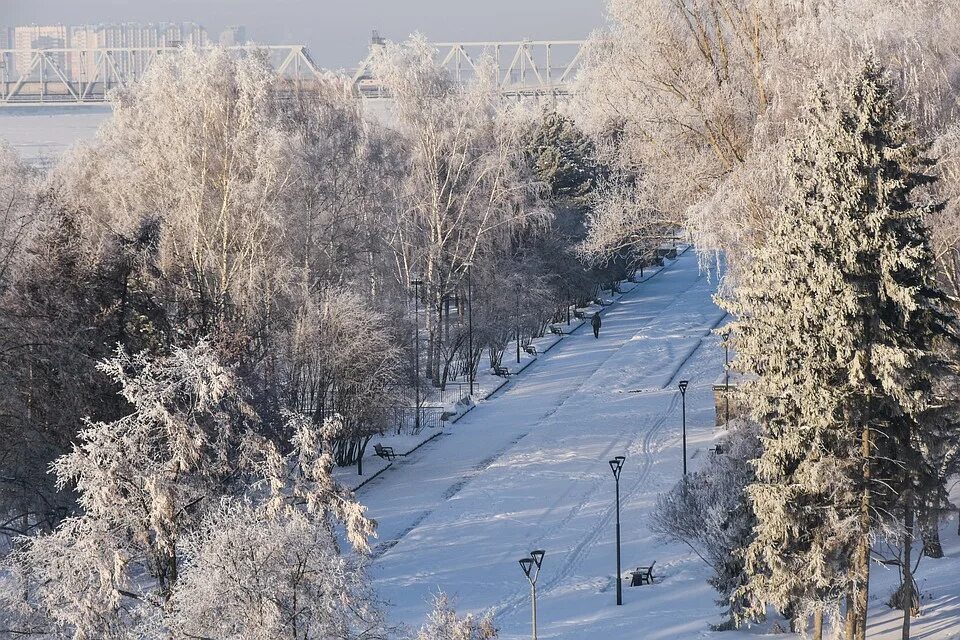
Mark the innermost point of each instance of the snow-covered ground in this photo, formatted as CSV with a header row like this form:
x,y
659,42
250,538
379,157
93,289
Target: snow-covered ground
x,y
528,469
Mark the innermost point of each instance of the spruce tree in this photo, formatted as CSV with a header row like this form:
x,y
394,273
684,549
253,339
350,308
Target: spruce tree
x,y
840,320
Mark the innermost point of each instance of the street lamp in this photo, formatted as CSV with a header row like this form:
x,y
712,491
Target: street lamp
x,y
726,370
416,282
528,564
617,465
470,326
683,392
518,322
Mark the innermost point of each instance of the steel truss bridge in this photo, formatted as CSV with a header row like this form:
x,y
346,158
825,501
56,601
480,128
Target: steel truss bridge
x,y
63,77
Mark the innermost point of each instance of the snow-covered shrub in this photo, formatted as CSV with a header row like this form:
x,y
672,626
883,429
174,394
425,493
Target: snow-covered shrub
x,y
711,513
445,624
257,575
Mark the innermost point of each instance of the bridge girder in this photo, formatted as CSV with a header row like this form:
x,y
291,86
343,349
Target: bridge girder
x,y
74,76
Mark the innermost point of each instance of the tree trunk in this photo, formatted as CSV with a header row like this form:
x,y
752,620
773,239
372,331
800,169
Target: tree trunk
x,y
907,591
861,564
930,531
850,623
862,560
818,624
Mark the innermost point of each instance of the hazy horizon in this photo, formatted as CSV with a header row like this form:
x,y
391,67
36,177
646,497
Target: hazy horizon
x,y
336,36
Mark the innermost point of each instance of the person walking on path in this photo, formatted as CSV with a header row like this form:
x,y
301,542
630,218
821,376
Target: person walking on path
x,y
595,321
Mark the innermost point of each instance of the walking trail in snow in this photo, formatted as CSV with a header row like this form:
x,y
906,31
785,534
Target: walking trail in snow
x,y
528,469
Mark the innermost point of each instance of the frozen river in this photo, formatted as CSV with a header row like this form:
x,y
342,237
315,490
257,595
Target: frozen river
x,y
40,134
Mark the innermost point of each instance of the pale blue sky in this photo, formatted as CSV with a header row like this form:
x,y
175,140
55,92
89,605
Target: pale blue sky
x,y
336,31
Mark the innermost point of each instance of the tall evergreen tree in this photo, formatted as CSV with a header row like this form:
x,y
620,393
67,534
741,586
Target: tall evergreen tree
x,y
839,319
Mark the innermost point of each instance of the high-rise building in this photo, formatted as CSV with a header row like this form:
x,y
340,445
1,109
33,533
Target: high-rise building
x,y
126,38
234,35
6,60
33,37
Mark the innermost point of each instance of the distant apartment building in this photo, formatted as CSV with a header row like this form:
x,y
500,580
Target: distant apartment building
x,y
233,36
127,36
33,37
6,60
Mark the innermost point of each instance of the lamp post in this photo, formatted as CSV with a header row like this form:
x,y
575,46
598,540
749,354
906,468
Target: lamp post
x,y
518,322
726,370
528,564
617,465
569,302
470,326
683,392
416,282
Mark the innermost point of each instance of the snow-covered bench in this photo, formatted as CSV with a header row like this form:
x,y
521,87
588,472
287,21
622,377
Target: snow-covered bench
x,y
642,575
503,372
529,348
384,452
556,330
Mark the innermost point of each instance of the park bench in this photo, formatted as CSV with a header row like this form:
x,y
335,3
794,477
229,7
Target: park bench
x,y
717,449
529,348
503,372
384,452
579,315
642,575
555,329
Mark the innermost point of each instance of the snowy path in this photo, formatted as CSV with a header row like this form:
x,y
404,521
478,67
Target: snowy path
x,y
528,469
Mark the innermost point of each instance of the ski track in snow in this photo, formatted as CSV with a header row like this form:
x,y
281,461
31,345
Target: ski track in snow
x,y
385,546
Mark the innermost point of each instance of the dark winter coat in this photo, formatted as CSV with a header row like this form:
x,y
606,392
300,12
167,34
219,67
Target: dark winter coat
x,y
595,320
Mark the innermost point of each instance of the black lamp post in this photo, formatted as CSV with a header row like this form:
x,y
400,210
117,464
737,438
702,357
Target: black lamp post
x,y
569,302
518,322
470,326
726,369
683,392
416,282
528,564
617,465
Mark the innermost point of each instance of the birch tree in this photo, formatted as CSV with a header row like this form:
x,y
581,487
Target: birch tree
x,y
468,187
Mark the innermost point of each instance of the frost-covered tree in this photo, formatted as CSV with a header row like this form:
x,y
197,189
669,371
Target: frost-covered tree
x,y
696,95
269,567
172,495
468,188
342,359
18,192
445,624
709,511
199,144
623,221
563,156
839,318
142,481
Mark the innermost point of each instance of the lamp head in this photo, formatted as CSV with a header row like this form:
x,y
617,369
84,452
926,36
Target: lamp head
x,y
683,385
537,557
416,279
616,464
526,564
